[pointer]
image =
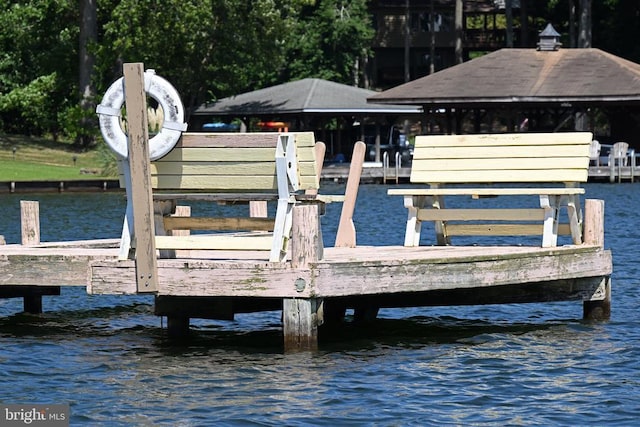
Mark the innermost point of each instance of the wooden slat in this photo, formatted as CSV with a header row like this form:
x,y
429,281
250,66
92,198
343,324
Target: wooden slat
x,y
525,163
219,183
214,168
221,224
501,229
220,154
209,140
261,242
487,140
536,214
506,152
504,175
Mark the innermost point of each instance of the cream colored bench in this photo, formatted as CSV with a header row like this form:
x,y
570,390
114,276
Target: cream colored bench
x,y
228,169
547,165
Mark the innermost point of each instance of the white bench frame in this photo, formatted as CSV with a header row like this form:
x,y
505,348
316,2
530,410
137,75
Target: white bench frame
x,y
493,159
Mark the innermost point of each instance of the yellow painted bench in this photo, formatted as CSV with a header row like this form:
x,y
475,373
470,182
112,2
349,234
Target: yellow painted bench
x,y
550,166
238,168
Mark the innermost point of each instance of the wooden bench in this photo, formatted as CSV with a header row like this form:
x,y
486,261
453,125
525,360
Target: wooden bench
x,y
236,168
232,168
547,165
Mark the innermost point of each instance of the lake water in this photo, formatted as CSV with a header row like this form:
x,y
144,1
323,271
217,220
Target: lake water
x,y
532,364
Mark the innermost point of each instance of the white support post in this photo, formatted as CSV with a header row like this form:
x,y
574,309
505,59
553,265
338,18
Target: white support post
x,y
550,227
414,226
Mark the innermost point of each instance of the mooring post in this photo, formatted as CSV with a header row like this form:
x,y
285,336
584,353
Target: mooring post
x,y
30,227
30,222
302,316
594,235
140,170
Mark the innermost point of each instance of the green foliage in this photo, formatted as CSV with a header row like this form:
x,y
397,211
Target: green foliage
x,y
32,103
205,48
38,63
329,40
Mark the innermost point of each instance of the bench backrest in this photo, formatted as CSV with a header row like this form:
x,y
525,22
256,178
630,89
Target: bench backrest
x,y
487,158
233,162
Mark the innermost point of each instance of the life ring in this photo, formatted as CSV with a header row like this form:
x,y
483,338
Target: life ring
x,y
109,112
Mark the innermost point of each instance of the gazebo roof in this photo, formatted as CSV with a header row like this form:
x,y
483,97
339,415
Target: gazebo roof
x,y
525,76
304,96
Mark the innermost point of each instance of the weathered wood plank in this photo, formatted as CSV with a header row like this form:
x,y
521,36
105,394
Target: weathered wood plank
x,y
140,186
534,214
30,222
485,154
217,223
527,139
501,229
235,241
503,175
505,162
300,324
404,276
363,271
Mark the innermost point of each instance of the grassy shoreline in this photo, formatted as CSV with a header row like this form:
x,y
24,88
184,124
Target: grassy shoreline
x,y
25,158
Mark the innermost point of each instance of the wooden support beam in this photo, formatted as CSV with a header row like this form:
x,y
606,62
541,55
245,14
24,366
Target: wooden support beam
x,y
32,304
597,309
30,227
302,316
140,173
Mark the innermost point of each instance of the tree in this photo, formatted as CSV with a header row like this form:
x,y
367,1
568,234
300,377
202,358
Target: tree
x,y
87,39
206,48
38,66
331,37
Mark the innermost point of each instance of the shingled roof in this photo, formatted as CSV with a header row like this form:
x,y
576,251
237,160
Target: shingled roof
x,y
525,76
300,97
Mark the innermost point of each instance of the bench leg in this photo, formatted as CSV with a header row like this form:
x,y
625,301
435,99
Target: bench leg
x,y
550,227
414,225
442,238
281,231
127,230
575,219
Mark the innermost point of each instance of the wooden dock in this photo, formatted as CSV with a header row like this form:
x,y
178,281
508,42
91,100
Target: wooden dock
x,y
314,289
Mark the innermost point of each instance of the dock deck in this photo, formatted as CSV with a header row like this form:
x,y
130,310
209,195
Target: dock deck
x,y
219,284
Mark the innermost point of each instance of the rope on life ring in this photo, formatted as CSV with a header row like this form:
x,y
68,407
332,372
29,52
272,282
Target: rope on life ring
x,y
109,112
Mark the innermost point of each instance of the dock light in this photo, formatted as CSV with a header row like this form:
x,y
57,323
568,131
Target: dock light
x,y
14,152
75,159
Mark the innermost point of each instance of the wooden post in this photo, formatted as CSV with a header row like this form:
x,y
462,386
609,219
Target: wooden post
x,y
302,316
140,172
30,220
346,234
30,224
594,235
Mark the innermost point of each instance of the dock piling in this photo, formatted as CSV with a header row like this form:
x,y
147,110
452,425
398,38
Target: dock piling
x,y
599,309
302,316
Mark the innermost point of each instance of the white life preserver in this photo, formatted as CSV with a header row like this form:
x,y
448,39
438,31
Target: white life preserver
x,y
109,112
